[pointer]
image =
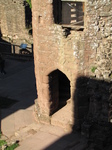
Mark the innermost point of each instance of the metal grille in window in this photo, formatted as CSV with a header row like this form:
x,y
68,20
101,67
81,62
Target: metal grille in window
x,y
72,13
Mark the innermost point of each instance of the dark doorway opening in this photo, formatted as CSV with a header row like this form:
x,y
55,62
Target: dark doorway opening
x,y
69,13
59,88
57,8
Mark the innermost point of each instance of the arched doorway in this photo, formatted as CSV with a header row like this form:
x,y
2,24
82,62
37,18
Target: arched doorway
x,y
59,88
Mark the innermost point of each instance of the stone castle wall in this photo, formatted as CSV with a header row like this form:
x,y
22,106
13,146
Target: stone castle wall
x,y
98,34
12,21
83,54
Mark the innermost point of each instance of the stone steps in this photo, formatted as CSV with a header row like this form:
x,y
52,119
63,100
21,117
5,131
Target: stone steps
x,y
25,132
62,117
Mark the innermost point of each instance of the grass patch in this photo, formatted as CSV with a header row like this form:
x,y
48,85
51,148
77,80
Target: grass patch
x,y
5,146
2,142
12,147
8,147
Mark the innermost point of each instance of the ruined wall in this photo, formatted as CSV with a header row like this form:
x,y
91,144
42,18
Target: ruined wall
x,y
84,56
99,38
13,21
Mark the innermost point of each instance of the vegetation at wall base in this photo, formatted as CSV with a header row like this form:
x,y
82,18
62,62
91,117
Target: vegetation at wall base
x,y
2,142
29,2
12,147
8,147
4,145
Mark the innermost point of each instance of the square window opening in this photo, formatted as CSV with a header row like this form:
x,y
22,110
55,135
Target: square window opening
x,y
70,13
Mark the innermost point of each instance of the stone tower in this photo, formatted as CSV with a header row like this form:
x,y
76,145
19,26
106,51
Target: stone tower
x,y
72,44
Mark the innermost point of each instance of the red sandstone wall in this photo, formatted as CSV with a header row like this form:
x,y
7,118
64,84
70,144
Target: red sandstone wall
x,y
13,21
75,55
53,51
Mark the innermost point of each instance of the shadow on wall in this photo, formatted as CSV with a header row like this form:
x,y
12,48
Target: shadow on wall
x,y
4,46
92,129
28,18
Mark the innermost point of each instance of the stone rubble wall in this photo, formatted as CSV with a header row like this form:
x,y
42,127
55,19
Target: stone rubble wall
x,y
84,53
53,51
99,38
12,22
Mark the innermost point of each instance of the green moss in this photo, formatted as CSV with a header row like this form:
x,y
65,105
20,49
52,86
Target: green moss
x,y
93,69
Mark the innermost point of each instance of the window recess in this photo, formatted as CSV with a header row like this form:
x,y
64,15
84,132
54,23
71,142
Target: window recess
x,y
73,13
